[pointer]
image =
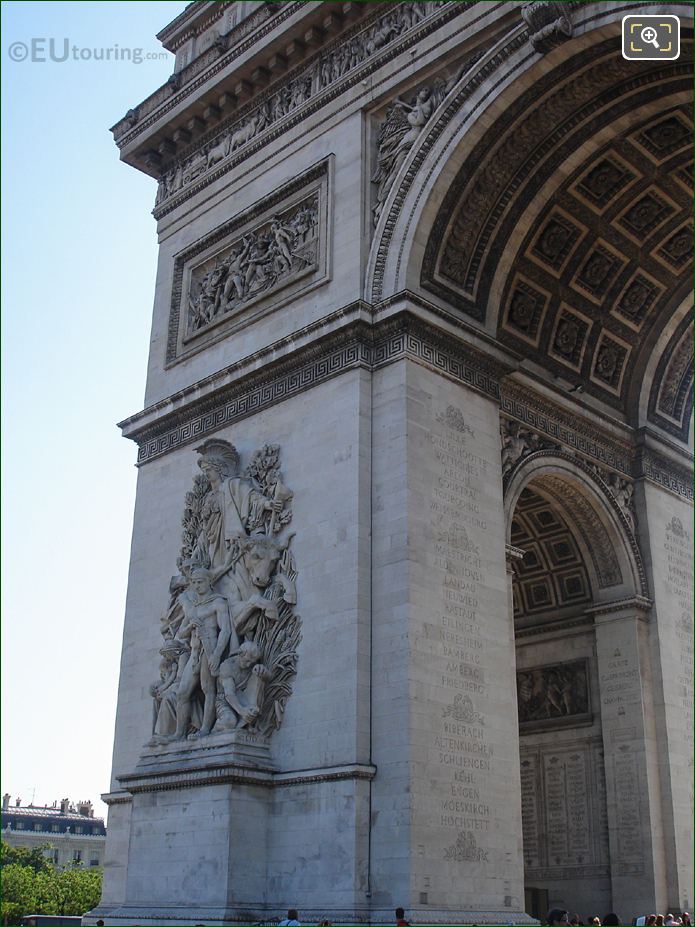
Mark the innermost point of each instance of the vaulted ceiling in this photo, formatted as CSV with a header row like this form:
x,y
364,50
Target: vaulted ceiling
x,y
568,230
551,576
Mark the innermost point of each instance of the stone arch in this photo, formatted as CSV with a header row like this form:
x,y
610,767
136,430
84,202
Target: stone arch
x,y
496,80
602,530
485,183
664,390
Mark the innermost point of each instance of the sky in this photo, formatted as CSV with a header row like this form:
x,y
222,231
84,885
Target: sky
x,y
78,271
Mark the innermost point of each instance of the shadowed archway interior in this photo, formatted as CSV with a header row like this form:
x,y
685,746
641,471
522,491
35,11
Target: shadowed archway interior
x,y
582,192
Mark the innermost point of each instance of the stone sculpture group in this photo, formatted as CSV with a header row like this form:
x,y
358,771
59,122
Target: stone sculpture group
x,y
312,80
230,633
266,257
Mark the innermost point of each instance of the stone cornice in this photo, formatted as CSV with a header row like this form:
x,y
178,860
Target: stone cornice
x,y
354,337
356,344
639,602
181,85
194,19
243,775
317,99
116,798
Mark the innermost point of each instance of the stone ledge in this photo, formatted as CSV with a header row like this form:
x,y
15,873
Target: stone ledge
x,y
264,914
158,778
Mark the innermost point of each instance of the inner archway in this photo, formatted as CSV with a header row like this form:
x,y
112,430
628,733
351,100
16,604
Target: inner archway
x,y
567,557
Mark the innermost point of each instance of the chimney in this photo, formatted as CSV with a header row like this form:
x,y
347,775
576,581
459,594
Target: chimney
x,y
85,809
18,802
6,801
64,805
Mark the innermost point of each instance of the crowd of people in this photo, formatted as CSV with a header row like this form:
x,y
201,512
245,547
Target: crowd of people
x,y
559,916
556,916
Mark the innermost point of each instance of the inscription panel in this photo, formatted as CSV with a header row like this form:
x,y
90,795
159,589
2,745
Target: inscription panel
x,y
679,583
465,778
563,800
461,742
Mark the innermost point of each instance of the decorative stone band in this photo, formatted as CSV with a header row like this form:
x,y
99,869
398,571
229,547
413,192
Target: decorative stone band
x,y
590,441
554,627
239,775
565,428
658,469
306,90
245,390
638,605
357,345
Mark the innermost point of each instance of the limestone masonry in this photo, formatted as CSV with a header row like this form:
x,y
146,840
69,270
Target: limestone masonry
x,y
409,616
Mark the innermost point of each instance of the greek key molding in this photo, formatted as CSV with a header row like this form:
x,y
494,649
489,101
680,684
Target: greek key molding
x,y
571,432
357,345
660,470
361,343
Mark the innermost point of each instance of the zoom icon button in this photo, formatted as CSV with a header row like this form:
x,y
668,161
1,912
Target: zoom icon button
x,y
651,38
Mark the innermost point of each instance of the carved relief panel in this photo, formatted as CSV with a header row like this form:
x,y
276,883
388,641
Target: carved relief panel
x,y
230,633
553,695
252,264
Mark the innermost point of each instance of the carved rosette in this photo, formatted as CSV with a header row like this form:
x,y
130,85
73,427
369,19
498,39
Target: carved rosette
x,y
230,633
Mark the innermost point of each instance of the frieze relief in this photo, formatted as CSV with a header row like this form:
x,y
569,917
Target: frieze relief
x,y
265,259
249,266
323,72
230,633
403,124
556,693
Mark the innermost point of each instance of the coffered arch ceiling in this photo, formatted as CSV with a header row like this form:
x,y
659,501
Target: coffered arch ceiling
x,y
568,232
551,577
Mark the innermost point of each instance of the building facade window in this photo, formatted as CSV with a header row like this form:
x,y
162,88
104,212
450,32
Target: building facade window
x,y
77,856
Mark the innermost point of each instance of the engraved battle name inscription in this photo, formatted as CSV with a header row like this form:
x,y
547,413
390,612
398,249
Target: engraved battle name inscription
x,y
679,582
563,810
461,747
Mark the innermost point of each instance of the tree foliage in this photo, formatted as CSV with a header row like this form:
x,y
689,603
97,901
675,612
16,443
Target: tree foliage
x,y
23,856
31,885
